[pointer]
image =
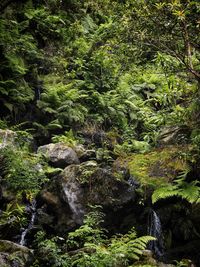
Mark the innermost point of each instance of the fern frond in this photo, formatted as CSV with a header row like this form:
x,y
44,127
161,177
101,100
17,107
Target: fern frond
x,y
53,125
185,190
131,104
190,192
141,242
164,192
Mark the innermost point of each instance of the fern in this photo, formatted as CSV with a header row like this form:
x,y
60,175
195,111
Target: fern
x,y
120,251
129,245
188,191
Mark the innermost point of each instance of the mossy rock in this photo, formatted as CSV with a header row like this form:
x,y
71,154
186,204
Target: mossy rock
x,y
17,139
12,254
158,167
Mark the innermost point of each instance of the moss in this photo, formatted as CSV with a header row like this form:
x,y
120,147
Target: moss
x,y
86,173
51,171
157,167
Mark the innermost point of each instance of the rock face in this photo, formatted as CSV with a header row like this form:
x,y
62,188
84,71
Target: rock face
x,y
81,185
59,155
170,135
12,254
98,186
54,213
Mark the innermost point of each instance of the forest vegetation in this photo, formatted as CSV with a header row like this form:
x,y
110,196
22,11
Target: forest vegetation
x,y
99,133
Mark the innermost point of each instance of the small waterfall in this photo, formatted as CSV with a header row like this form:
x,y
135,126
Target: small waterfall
x,y
72,194
155,230
30,225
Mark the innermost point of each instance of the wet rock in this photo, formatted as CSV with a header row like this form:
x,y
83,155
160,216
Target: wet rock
x,y
66,197
148,257
9,228
190,250
89,184
53,213
162,264
149,260
59,155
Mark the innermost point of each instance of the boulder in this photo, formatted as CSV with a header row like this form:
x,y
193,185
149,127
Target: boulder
x,y
7,137
88,183
59,155
15,139
12,254
170,135
66,198
149,260
188,253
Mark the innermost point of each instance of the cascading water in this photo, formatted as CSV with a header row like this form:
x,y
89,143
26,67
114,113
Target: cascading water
x,y
30,225
72,194
155,230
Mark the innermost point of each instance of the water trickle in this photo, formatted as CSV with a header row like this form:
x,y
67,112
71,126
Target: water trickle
x,y
72,194
132,182
30,225
155,230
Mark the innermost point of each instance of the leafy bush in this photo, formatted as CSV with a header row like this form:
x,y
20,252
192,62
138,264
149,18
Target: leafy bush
x,y
67,138
14,215
88,246
21,170
49,252
90,231
120,250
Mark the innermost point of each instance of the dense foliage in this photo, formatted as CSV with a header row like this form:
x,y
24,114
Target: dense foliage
x,y
61,70
112,76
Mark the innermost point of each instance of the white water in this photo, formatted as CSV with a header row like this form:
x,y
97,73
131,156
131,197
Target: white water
x,y
30,225
155,230
72,194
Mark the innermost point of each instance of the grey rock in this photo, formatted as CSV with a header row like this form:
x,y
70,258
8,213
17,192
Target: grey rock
x,y
170,135
59,154
15,139
7,137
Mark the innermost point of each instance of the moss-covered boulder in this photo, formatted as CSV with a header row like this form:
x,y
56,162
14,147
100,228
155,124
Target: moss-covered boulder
x,y
12,254
67,196
95,185
158,167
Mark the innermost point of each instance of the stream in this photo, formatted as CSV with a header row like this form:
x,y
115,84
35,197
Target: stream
x,y
155,230
30,225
